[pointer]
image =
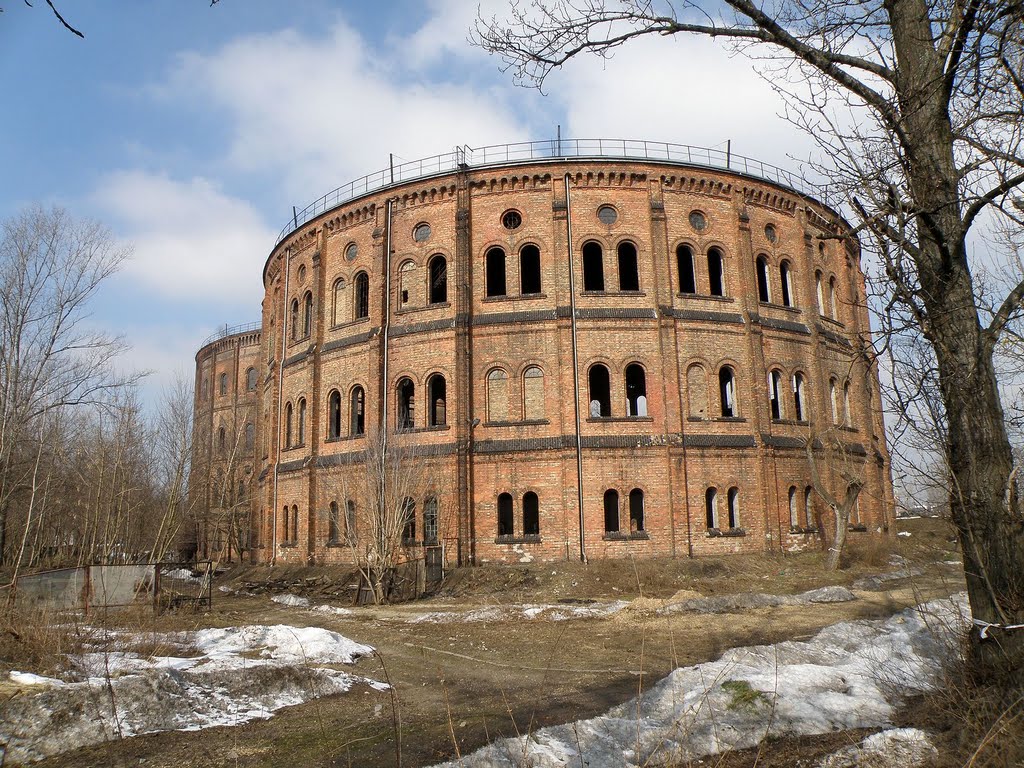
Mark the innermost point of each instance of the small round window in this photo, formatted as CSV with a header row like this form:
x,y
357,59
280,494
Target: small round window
x,y
351,251
302,274
421,233
770,233
607,214
698,221
511,220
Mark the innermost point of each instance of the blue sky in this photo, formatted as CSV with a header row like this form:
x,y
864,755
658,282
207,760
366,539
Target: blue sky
x,y
191,131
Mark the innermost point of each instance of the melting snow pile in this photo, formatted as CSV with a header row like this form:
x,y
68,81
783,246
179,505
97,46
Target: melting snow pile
x,y
525,611
294,601
236,675
850,675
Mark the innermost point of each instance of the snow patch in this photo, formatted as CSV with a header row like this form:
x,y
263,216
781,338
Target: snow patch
x,y
292,601
181,574
528,611
746,601
27,678
896,748
850,675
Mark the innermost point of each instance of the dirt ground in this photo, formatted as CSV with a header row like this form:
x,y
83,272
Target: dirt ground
x,y
458,685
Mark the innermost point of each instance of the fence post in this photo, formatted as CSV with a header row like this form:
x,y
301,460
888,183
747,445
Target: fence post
x,y
87,589
156,589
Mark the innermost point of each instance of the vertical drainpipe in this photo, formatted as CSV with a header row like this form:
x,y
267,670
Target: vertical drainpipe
x,y
280,395
575,372
385,327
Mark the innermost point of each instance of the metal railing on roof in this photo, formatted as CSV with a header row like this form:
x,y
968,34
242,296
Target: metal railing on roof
x,y
462,158
231,330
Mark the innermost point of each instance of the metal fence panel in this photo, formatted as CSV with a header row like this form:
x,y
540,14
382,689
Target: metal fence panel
x,y
53,590
120,584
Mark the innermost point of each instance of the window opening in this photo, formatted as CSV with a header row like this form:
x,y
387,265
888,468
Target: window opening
x,y
351,251
362,295
600,392
437,394
593,267
333,523
529,270
834,311
222,439
727,391
798,396
531,514
787,288
430,521
629,272
350,521
497,396
285,522
357,416
684,265
334,415
406,403
496,272
295,319
405,282
607,214
833,397
763,293
809,506
307,314
295,523
716,272
250,435
250,380
302,421
819,296
711,507
774,387
794,518
438,270
511,220
636,511
847,420
223,383
611,511
636,391
409,516
771,233
421,233
734,508
533,394
698,221
505,520
288,426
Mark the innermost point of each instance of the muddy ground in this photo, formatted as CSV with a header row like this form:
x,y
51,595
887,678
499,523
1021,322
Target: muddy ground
x,y
458,685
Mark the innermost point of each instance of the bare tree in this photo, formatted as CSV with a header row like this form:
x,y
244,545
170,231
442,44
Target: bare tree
x,y
837,477
173,459
50,360
934,92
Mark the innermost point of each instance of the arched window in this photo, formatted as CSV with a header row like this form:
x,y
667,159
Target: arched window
x,y
505,518
405,277
785,276
307,314
334,415
833,309
794,517
711,508
611,511
833,398
636,391
593,267
629,272
294,320
533,394
819,295
222,439
696,392
406,403
409,524
250,435
531,514
529,270
295,523
357,413
333,524
599,387
301,432
636,511
288,425
223,383
798,397
430,521
438,270
809,506
338,304
285,521
763,293
437,396
250,380
716,272
684,265
727,391
362,295
350,521
205,389
775,393
734,508
496,272
497,396
847,415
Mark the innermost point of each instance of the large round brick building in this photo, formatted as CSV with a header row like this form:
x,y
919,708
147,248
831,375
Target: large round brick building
x,y
588,349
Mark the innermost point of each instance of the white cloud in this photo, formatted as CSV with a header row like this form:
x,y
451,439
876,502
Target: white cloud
x,y
191,241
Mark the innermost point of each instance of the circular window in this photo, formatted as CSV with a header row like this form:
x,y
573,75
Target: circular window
x,y
302,274
698,221
607,214
511,220
421,233
770,233
351,251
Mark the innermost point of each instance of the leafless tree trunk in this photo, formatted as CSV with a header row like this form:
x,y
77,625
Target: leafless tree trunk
x,y
838,480
934,90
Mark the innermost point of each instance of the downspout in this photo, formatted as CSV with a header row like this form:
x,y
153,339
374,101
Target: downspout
x,y
575,372
280,396
385,328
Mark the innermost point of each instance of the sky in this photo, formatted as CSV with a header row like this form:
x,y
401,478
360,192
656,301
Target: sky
x,y
190,131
